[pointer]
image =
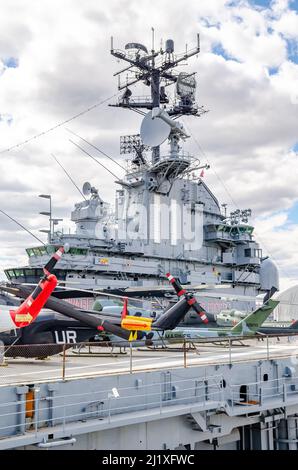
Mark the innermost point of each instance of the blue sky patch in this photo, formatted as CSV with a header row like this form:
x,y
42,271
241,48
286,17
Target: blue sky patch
x,y
261,3
293,5
219,50
292,50
11,62
293,214
273,70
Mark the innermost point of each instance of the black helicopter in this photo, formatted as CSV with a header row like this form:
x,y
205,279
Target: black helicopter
x,y
63,324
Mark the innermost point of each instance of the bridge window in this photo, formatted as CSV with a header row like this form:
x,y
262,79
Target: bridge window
x,y
10,273
51,249
19,272
30,252
29,272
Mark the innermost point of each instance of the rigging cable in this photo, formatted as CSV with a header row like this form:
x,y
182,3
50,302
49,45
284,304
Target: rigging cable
x,y
62,123
93,158
22,226
98,149
68,175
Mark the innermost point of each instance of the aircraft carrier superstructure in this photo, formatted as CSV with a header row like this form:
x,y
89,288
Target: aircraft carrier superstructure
x,y
166,219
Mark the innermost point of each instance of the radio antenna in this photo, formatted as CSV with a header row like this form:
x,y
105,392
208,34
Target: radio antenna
x,y
98,149
22,226
93,158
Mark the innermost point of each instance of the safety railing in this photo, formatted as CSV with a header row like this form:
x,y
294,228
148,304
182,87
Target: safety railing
x,y
23,364
264,392
39,409
36,409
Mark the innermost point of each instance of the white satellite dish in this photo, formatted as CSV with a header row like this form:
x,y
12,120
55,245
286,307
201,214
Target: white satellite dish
x,y
87,188
154,131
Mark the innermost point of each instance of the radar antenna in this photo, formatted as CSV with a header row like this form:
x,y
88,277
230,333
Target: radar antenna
x,y
89,190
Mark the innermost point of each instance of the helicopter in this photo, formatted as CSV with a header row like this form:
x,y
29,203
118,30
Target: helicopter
x,y
62,323
53,330
26,313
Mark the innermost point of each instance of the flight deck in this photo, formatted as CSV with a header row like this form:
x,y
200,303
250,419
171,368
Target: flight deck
x,y
92,360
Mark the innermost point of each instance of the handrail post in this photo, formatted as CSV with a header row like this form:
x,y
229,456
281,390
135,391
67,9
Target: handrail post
x,y
63,363
260,395
64,414
284,390
230,352
109,405
21,407
160,398
130,358
184,352
36,406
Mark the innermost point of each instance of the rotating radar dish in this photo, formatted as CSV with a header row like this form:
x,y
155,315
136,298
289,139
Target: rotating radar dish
x,y
154,131
87,188
186,85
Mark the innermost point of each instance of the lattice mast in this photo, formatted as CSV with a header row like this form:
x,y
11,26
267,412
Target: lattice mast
x,y
156,70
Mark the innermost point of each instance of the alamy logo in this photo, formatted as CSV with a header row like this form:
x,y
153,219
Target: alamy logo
x,y
160,222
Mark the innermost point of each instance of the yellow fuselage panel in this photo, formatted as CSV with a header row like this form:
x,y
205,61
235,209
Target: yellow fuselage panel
x,y
136,323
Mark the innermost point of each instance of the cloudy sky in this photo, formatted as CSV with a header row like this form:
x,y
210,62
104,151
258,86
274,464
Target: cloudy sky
x,y
55,63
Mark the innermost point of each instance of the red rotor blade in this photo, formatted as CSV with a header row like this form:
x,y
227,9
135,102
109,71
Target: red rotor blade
x,y
191,300
197,308
176,284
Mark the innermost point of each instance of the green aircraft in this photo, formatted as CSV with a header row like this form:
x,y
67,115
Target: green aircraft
x,y
245,327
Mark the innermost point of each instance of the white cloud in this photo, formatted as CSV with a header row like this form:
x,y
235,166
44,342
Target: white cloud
x,y
280,242
287,24
279,6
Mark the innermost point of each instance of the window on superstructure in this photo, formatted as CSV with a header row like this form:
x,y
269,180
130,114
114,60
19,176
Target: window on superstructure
x,y
10,273
19,272
50,249
28,272
78,251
